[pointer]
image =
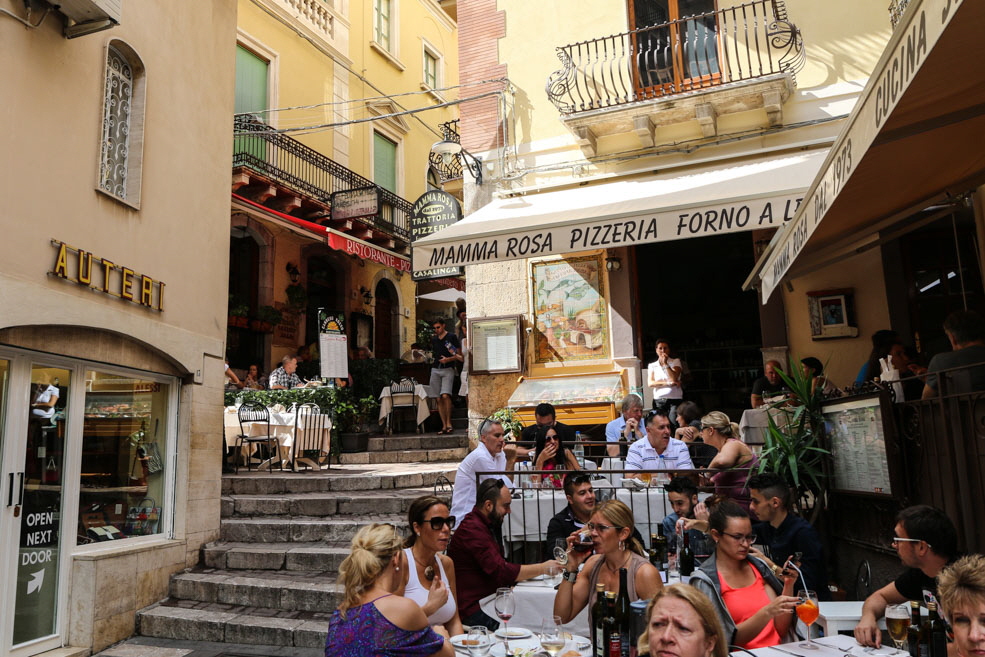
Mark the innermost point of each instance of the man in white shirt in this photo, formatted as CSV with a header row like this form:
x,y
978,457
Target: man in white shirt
x,y
626,426
487,457
659,451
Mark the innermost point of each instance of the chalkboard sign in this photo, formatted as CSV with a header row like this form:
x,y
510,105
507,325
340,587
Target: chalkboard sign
x,y
864,455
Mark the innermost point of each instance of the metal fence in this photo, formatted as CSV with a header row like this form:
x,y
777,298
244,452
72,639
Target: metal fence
x,y
744,42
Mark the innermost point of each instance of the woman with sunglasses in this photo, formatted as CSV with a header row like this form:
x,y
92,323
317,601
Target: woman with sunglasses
x,y
755,608
430,579
615,547
552,455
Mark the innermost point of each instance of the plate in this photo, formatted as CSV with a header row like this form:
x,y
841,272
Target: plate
x,y
459,641
514,633
518,648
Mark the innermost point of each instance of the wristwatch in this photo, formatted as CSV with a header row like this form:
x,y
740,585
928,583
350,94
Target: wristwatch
x,y
570,576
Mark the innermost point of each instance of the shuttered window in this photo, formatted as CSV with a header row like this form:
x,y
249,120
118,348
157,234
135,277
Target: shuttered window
x,y
384,162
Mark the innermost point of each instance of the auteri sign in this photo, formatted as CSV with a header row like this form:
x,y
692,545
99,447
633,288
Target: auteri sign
x,y
698,221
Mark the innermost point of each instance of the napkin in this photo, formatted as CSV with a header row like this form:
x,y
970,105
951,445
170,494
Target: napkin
x,y
277,408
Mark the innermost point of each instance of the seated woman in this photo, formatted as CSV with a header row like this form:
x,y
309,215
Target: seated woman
x,y
615,547
754,607
734,456
370,620
254,380
961,589
430,579
681,621
552,455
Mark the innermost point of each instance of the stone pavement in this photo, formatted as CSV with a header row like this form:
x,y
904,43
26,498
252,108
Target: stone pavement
x,y
152,647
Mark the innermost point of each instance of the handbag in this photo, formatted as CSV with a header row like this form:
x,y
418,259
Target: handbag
x,y
142,519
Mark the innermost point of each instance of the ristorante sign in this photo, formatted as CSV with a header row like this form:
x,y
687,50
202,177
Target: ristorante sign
x,y
102,275
658,226
367,251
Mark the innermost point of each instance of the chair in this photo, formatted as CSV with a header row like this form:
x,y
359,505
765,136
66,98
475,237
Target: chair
x,y
403,387
443,487
249,413
701,454
307,448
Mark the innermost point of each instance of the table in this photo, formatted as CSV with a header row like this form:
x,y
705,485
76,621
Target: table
x,y
842,616
387,402
838,645
754,425
534,601
281,427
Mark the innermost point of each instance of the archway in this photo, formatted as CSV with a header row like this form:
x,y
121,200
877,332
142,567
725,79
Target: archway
x,y
387,343
326,289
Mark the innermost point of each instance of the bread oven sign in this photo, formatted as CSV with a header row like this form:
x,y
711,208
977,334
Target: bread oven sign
x,y
433,211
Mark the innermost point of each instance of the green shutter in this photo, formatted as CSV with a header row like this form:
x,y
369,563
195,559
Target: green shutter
x,y
251,82
384,162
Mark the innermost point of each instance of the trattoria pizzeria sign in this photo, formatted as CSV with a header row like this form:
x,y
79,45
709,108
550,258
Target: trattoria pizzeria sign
x,y
103,275
698,221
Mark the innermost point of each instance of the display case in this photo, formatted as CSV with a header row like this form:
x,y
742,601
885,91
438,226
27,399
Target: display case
x,y
578,399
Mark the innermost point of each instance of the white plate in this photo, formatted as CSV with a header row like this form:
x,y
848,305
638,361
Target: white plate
x,y
518,648
515,633
459,641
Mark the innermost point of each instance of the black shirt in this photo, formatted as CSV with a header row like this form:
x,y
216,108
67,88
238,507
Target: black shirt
x,y
913,582
444,347
796,535
564,432
764,388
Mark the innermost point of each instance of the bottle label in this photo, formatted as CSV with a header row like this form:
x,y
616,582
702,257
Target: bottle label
x,y
624,644
615,647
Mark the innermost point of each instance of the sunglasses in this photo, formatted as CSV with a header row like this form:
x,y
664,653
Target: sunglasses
x,y
437,522
591,526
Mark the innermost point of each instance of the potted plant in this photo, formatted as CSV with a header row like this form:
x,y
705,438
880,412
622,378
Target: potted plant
x,y
510,421
297,298
238,311
267,318
351,417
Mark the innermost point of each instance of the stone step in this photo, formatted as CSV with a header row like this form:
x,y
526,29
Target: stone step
x,y
212,621
426,441
300,529
336,479
451,455
322,504
301,556
304,591
460,423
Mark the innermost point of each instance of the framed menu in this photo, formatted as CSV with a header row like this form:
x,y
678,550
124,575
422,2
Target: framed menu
x,y
864,457
495,344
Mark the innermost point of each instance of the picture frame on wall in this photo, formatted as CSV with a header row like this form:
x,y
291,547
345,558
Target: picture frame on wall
x,y
832,314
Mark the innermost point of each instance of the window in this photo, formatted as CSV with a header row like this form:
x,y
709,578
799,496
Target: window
x,y
430,69
384,162
121,149
251,83
679,51
381,12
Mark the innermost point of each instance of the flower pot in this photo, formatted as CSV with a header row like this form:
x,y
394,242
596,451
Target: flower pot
x,y
352,443
237,320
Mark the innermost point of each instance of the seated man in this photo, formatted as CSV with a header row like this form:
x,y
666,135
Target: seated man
x,y
683,496
284,377
488,456
545,416
965,330
769,386
781,533
659,451
476,550
926,542
624,428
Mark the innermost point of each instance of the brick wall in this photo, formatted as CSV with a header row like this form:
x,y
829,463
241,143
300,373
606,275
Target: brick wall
x,y
480,26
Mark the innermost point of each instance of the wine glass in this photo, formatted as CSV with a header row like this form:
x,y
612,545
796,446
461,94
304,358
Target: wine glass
x,y
552,635
478,641
505,607
561,551
807,611
898,622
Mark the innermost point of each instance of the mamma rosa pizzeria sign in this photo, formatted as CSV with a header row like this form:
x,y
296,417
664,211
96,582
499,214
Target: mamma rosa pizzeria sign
x,y
367,252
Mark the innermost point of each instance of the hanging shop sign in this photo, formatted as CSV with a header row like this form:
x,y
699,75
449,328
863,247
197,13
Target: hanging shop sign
x,y
356,203
340,242
102,275
431,212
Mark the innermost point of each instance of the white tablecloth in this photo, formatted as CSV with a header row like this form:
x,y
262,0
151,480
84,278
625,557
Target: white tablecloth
x,y
281,427
534,602
754,425
420,392
837,645
843,616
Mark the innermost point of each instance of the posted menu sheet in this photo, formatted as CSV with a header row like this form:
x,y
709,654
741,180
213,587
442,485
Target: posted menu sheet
x,y
495,345
858,446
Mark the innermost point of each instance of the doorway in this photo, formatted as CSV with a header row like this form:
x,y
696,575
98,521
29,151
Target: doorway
x,y
387,321
676,45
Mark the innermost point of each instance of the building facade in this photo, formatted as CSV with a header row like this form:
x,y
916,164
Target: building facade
x,y
112,310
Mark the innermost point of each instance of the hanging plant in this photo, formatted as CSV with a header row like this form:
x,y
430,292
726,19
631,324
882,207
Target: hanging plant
x,y
297,297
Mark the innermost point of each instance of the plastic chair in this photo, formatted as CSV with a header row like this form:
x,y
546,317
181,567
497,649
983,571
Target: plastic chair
x,y
307,448
250,413
403,387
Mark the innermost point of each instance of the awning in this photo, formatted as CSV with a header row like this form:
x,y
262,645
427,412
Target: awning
x,y
914,139
759,193
447,295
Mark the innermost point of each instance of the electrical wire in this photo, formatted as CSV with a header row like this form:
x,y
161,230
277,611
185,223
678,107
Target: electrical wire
x,y
27,22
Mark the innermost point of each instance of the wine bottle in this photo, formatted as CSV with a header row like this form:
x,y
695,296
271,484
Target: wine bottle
x,y
938,633
687,556
924,641
913,632
598,621
661,549
624,616
610,634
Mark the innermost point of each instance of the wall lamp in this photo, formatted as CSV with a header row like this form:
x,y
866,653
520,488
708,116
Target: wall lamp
x,y
367,295
292,271
449,150
613,264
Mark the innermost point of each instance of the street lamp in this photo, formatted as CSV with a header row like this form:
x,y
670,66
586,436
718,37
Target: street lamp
x,y
449,150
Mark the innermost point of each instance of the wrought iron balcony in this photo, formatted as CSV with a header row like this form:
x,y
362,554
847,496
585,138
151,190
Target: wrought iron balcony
x,y
745,42
289,162
896,9
453,169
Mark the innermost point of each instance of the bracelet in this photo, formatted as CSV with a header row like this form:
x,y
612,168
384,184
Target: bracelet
x,y
570,576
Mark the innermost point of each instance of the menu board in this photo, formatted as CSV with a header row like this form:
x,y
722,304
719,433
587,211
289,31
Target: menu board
x,y
857,439
332,345
494,344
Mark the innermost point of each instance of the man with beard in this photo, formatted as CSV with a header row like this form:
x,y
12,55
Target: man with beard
x,y
683,496
477,551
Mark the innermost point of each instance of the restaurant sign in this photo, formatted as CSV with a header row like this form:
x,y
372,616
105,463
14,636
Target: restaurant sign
x,y
102,275
433,211
356,203
366,251
912,44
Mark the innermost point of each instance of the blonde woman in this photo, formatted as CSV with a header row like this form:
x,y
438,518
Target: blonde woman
x,y
371,620
682,621
734,456
961,589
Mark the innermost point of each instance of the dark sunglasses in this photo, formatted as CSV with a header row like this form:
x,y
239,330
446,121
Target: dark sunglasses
x,y
438,521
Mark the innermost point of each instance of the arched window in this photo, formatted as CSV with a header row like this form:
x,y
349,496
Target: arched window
x,y
121,148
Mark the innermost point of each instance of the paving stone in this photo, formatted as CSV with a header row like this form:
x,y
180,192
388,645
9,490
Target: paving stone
x,y
259,557
178,623
311,634
260,630
251,592
226,507
262,505
315,505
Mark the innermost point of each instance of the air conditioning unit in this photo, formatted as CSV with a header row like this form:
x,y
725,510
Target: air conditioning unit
x,y
89,16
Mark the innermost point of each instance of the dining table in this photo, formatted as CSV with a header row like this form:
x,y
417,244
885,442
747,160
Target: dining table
x,y
418,397
835,645
282,427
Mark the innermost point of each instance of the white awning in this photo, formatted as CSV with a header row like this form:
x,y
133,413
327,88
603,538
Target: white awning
x,y
448,295
759,193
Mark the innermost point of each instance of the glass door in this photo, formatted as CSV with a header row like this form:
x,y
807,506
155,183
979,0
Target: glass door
x,y
675,44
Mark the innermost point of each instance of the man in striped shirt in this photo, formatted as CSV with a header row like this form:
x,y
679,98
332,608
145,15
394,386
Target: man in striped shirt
x,y
659,451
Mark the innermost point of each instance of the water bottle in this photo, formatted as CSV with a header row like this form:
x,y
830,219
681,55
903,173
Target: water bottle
x,y
579,450
527,485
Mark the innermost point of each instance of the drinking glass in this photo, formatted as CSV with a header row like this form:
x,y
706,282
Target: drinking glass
x,y
561,551
807,611
552,635
898,622
505,607
554,575
479,641
645,477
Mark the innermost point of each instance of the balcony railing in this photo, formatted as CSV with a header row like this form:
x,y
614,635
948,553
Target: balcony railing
x,y
896,10
745,42
307,171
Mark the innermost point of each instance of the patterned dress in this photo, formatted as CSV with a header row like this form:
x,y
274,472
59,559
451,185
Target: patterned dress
x,y
365,632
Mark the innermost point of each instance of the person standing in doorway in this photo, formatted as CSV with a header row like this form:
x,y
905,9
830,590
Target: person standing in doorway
x,y
664,378
445,348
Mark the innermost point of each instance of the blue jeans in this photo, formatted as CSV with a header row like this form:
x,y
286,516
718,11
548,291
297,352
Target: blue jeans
x,y
482,618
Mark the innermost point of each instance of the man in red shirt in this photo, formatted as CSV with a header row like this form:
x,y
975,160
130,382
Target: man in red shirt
x,y
480,567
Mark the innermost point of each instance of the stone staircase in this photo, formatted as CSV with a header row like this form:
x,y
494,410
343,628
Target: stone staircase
x,y
270,579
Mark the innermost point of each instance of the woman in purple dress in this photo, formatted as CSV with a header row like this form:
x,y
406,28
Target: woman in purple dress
x,y
372,621
734,458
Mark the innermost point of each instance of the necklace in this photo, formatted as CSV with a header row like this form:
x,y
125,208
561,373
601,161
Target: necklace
x,y
428,569
622,565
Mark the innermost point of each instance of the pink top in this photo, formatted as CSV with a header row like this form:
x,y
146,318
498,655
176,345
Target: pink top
x,y
743,603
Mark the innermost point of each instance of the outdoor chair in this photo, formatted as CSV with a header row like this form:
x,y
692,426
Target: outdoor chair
x,y
310,425
404,387
251,413
443,487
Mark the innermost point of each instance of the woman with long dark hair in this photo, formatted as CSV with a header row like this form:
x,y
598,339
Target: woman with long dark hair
x,y
552,455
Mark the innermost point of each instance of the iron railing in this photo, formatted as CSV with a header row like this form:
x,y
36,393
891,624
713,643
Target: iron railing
x,y
896,10
288,161
745,42
453,169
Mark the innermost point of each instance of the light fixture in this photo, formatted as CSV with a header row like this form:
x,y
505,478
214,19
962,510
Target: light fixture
x,y
292,271
367,295
613,263
88,27
449,150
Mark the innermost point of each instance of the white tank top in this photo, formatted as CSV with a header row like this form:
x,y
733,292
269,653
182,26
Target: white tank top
x,y
419,594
